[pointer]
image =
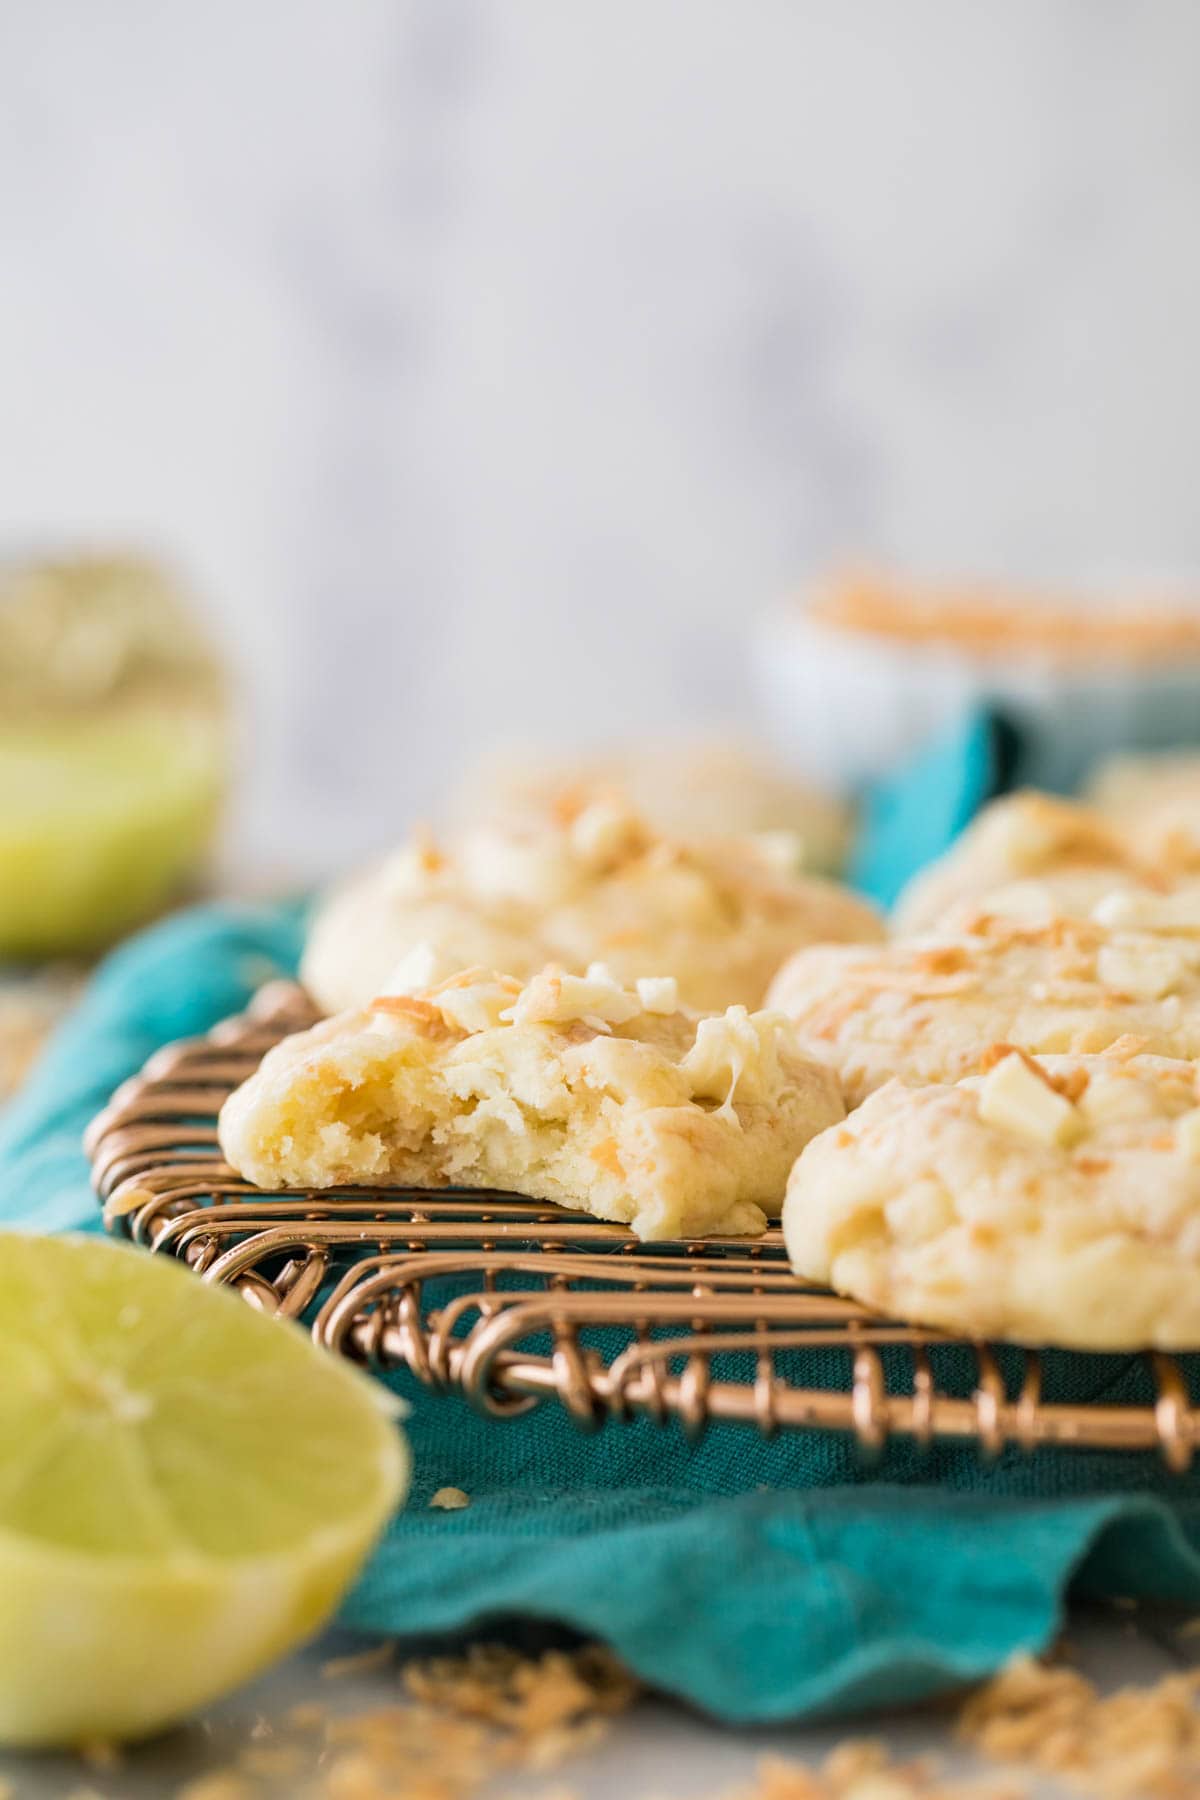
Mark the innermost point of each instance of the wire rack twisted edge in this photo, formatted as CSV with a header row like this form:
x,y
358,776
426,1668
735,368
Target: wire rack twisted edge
x,y
513,1302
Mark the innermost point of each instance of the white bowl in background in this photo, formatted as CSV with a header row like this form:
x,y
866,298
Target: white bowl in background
x,y
845,705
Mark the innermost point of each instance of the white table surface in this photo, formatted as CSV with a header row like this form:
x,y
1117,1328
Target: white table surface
x,y
657,1751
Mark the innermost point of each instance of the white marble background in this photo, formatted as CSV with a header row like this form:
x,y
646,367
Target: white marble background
x,y
489,363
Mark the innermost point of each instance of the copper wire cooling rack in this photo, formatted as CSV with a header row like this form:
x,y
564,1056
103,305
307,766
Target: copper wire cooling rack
x,y
513,1302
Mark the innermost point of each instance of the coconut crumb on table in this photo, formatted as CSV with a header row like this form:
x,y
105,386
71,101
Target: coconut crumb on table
x,y
521,1695
861,1769
492,1716
1139,1743
464,1721
469,1718
359,1662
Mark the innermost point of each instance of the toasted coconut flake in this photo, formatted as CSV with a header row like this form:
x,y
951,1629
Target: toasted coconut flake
x,y
861,1769
407,1006
450,1499
942,959
1129,1044
1134,1744
359,1662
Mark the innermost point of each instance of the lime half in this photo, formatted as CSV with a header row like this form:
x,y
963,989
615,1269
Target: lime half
x,y
186,1489
100,820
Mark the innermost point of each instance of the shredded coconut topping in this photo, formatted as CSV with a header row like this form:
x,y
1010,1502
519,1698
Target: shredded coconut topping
x,y
1015,1097
554,997
606,832
1130,909
737,1051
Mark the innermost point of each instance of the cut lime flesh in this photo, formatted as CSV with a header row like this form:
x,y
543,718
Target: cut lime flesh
x,y
186,1489
100,819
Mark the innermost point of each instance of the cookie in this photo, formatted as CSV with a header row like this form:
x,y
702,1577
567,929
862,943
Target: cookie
x,y
718,915
1155,802
686,788
603,1098
1049,858
1047,1201
923,1008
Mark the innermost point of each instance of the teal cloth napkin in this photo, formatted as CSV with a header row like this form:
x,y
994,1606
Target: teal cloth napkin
x,y
759,1579
909,817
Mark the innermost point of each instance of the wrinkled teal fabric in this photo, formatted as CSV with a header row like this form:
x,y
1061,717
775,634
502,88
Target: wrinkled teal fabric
x,y
909,816
760,1579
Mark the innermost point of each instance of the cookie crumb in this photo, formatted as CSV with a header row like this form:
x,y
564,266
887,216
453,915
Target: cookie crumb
x,y
450,1499
861,1769
1139,1743
359,1662
462,1721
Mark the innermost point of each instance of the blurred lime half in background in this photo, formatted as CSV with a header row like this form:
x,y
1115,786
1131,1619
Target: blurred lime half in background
x,y
113,751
